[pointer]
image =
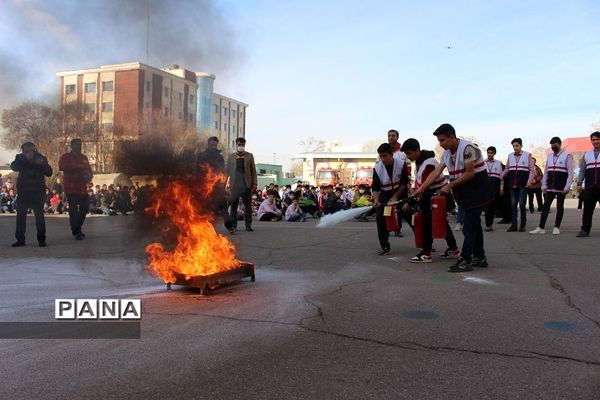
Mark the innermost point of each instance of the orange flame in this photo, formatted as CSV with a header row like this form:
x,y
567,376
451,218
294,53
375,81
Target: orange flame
x,y
200,250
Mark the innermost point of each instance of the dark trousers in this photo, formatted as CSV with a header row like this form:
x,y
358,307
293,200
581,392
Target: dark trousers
x,y
382,233
269,216
538,196
560,208
518,197
590,197
490,212
506,206
233,204
425,207
40,222
473,243
79,205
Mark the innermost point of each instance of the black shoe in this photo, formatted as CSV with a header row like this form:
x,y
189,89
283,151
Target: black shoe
x,y
398,234
249,229
82,234
581,233
479,262
522,228
18,243
461,265
512,228
78,236
503,222
384,252
42,243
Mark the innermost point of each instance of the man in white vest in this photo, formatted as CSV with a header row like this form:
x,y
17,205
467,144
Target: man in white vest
x,y
494,169
589,173
469,184
556,183
390,183
518,177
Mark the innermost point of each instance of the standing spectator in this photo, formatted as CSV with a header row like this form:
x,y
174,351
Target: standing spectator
x,y
535,189
242,182
77,174
589,175
494,169
518,176
558,176
32,168
469,184
393,137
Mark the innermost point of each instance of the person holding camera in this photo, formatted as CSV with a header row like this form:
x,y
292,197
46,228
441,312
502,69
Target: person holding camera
x,y
32,167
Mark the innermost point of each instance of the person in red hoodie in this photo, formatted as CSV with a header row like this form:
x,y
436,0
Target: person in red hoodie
x,y
77,174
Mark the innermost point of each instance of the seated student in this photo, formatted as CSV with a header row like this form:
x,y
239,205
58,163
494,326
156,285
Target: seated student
x,y
94,207
56,203
268,211
426,163
334,201
363,198
306,202
294,212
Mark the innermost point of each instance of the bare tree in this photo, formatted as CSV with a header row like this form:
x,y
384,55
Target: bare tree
x,y
312,145
538,151
296,169
33,122
165,146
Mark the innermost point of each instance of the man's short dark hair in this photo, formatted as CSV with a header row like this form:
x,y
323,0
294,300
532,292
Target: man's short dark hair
x,y
385,148
28,145
395,132
272,193
240,140
213,139
555,139
595,134
445,130
491,148
517,140
411,144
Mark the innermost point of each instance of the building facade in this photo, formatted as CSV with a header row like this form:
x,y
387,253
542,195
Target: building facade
x,y
108,105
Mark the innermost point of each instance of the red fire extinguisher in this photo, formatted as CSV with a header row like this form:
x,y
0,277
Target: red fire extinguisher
x,y
438,217
418,227
391,218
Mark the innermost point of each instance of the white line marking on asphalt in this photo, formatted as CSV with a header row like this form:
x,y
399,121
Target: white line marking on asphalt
x,y
480,281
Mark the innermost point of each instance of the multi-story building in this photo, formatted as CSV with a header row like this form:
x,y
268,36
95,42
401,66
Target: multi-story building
x,y
229,118
110,103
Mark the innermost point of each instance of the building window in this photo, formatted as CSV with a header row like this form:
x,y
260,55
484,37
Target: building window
x,y
166,110
90,87
233,129
107,127
179,96
69,89
107,107
147,86
89,107
217,108
232,113
225,127
191,98
166,92
107,86
216,124
224,110
262,171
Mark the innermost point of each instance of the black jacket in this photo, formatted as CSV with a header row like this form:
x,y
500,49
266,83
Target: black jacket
x,y
31,180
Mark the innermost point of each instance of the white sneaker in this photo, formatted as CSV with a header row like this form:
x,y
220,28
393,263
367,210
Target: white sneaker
x,y
556,231
537,231
458,227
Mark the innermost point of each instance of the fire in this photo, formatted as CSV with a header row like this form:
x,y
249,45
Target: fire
x,y
200,250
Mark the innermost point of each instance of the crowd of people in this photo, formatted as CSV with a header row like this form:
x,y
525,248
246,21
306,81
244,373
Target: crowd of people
x,y
475,185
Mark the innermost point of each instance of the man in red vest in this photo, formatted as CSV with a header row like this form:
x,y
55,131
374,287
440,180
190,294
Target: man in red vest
x,y
77,174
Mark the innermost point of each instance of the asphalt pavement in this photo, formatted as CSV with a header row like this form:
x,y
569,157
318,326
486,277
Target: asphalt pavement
x,y
327,318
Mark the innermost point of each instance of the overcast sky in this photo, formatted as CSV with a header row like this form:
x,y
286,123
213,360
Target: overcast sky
x,y
337,70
